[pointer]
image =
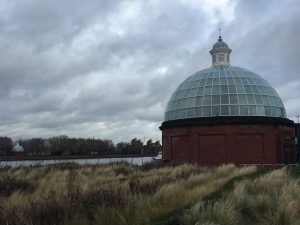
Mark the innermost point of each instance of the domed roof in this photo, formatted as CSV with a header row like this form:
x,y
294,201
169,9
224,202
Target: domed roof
x,y
220,44
224,91
18,148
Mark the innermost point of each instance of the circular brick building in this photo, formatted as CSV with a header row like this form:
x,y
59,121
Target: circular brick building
x,y
227,114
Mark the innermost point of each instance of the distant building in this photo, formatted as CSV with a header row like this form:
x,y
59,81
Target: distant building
x,y
227,114
18,150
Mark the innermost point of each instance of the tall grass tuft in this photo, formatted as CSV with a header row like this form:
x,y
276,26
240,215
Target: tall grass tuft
x,y
273,199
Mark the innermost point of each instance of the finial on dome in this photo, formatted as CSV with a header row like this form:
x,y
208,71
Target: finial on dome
x,y
220,36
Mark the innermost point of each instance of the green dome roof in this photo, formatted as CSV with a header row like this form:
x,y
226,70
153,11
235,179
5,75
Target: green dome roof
x,y
220,44
224,91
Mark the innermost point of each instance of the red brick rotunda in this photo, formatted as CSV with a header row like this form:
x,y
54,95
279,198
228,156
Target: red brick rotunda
x,y
227,114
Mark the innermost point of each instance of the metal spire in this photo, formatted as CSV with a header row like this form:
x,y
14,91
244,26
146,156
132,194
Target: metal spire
x,y
220,37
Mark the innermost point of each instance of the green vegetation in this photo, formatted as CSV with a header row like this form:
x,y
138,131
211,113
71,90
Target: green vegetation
x,y
124,194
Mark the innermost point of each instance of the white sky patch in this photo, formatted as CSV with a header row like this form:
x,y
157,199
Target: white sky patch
x,y
159,71
113,26
90,37
130,10
127,130
101,125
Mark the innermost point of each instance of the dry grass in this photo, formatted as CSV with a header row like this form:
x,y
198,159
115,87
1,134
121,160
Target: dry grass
x,y
124,194
106,194
273,199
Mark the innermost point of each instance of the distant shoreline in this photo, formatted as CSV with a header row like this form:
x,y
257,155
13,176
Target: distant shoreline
x,y
66,157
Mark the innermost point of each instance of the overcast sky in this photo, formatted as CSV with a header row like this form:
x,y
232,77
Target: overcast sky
x,y
106,68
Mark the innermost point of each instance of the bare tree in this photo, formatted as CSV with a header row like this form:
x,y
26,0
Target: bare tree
x,y
6,145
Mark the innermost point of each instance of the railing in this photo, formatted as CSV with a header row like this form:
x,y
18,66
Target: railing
x,y
269,165
82,161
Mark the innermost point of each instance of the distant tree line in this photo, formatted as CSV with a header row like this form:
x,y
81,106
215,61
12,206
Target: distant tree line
x,y
63,145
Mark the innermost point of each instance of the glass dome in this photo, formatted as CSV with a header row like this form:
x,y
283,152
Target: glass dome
x,y
18,148
224,91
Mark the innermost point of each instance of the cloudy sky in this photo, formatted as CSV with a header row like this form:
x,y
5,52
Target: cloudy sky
x,y
106,68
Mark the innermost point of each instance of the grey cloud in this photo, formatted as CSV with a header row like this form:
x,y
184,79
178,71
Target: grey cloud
x,y
43,24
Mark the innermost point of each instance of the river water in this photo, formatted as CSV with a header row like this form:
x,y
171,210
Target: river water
x,y
132,160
